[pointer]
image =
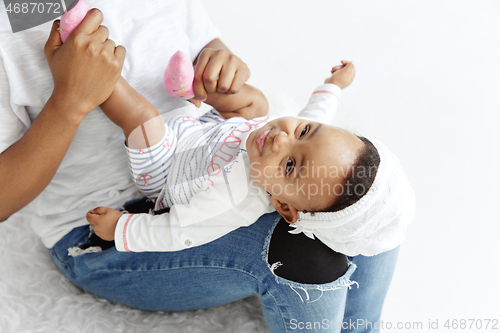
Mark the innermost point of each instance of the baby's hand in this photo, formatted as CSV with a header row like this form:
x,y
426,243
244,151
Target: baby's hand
x,y
103,220
343,75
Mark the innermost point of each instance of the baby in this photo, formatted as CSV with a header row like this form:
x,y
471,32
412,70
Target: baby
x,y
224,169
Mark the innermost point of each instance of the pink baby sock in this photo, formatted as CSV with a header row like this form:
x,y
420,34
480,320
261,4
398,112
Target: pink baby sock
x,y
179,76
72,18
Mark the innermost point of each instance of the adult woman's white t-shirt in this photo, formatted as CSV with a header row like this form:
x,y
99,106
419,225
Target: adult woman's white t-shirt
x,y
94,170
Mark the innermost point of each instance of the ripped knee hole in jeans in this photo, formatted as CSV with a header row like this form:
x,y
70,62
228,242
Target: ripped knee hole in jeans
x,y
299,259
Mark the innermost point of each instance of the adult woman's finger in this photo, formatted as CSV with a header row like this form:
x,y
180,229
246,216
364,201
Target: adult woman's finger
x,y
102,33
110,46
226,77
198,85
90,23
238,82
212,72
219,71
241,76
53,42
120,52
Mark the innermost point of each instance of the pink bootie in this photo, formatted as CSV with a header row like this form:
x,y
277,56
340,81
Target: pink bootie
x,y
72,18
179,76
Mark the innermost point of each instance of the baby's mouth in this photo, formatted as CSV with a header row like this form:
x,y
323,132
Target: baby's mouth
x,y
260,140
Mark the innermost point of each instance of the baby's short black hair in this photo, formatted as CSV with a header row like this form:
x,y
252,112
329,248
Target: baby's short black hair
x,y
359,179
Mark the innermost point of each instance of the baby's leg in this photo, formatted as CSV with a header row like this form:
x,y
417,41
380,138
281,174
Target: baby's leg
x,y
125,107
130,110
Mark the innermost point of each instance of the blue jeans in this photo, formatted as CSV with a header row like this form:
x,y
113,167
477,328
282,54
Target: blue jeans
x,y
230,268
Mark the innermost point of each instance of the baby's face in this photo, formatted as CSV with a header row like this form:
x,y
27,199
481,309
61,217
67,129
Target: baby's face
x,y
302,163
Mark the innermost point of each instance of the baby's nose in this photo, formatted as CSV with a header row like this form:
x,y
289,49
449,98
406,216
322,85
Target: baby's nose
x,y
281,141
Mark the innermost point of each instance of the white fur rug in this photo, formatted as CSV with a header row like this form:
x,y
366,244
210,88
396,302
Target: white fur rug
x,y
35,297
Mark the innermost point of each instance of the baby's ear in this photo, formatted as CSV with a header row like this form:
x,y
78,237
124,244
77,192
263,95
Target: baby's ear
x,y
288,212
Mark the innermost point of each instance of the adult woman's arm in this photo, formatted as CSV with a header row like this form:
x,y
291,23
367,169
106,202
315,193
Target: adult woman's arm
x,y
85,70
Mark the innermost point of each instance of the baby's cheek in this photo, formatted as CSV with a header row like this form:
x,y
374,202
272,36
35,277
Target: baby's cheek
x,y
262,181
256,174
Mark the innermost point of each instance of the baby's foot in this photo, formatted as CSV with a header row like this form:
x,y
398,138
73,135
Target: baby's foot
x,y
179,76
72,18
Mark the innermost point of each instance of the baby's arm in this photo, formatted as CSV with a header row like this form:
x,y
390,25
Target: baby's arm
x,y
323,103
130,110
342,75
209,215
248,103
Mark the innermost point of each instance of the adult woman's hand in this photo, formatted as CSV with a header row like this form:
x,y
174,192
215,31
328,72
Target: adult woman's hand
x,y
86,67
218,70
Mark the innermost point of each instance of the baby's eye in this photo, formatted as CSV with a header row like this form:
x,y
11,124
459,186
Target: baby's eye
x,y
289,166
304,131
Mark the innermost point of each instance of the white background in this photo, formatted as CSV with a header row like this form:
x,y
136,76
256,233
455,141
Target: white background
x,y
427,85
